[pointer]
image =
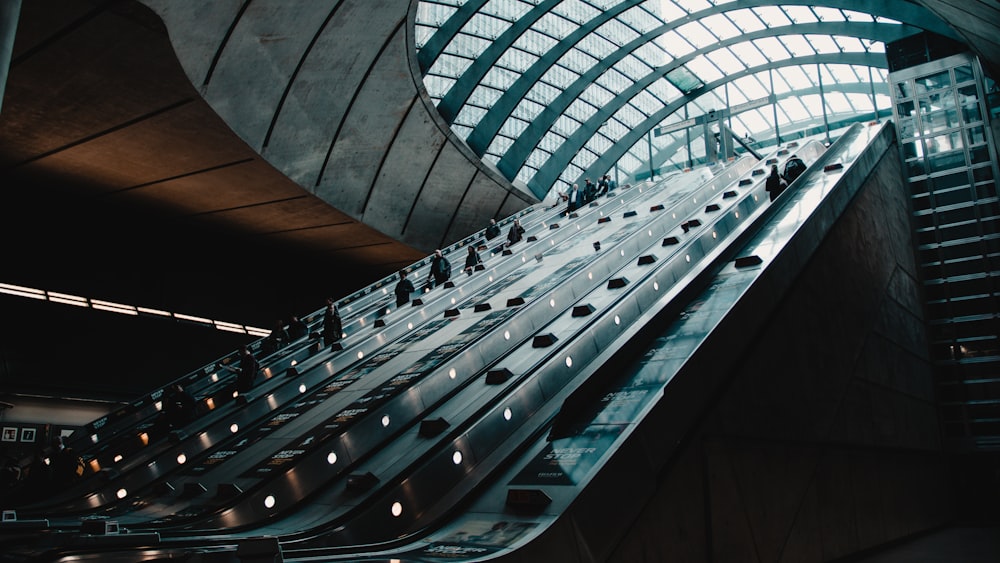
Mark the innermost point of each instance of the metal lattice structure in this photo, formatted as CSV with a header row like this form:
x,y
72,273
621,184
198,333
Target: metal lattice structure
x,y
552,92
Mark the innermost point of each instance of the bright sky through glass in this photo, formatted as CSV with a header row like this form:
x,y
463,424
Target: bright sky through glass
x,y
548,97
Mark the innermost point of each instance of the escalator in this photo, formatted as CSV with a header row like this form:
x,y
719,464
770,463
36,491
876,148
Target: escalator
x,y
507,432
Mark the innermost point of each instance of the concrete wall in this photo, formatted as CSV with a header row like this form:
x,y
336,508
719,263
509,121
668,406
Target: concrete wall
x,y
826,443
330,94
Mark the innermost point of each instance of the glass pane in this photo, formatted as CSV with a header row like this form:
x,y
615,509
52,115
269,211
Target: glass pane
x,y
943,143
904,89
945,161
963,73
935,81
905,109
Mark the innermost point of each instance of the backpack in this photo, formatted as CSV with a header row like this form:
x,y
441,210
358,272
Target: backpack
x,y
793,169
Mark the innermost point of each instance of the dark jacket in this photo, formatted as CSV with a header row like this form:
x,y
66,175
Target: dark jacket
x,y
774,185
575,199
332,328
440,269
514,234
472,259
248,373
404,288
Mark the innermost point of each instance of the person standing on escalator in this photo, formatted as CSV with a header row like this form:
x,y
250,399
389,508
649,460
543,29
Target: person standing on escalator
x,y
440,271
248,370
333,328
775,183
403,289
794,167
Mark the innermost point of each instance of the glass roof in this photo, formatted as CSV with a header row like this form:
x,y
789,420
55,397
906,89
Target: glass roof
x,y
551,91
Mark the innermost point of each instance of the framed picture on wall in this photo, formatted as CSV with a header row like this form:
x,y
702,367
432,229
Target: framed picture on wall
x,y
27,434
9,434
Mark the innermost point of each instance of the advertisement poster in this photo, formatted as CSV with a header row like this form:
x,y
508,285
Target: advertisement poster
x,y
567,461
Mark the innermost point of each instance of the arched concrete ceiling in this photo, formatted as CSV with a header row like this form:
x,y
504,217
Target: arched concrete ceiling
x,y
325,92
337,152
99,119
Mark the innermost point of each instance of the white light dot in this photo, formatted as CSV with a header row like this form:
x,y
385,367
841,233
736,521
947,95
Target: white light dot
x,y
590,275
452,373
118,458
675,215
523,259
295,362
360,354
397,509
331,458
302,388
569,361
622,252
158,405
93,438
491,279
506,335
507,414
687,257
269,501
387,310
182,459
234,428
385,420
236,394
696,200
215,377
618,320
755,197
552,302
656,286
737,214
409,326
715,234
578,227
452,300
456,457
384,291
122,493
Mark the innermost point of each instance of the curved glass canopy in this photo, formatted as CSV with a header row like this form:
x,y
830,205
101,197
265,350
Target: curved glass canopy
x,y
555,91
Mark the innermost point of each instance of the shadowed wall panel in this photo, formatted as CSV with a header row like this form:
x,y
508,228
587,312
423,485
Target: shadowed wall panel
x,y
826,442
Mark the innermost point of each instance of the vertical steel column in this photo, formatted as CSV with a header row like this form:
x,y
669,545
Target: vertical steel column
x,y
822,102
687,137
774,108
874,99
650,139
